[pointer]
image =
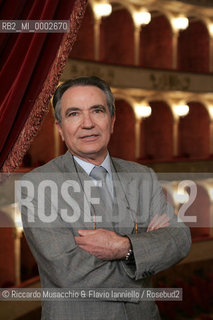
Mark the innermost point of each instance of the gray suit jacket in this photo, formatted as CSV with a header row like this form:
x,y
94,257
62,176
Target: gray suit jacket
x,y
62,264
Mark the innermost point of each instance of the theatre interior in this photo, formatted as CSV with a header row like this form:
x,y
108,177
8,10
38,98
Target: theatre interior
x,y
157,56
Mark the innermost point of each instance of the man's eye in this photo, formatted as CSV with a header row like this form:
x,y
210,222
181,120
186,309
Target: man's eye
x,y
98,110
72,114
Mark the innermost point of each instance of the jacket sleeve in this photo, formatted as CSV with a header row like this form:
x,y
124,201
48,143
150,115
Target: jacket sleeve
x,y
52,243
157,250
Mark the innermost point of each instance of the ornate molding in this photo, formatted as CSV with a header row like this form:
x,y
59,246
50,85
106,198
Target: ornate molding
x,y
202,3
146,79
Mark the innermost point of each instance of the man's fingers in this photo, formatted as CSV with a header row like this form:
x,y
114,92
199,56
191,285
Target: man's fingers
x,y
79,240
163,225
158,222
152,222
86,232
161,220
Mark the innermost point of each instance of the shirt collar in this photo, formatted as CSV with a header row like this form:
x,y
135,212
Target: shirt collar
x,y
88,166
107,164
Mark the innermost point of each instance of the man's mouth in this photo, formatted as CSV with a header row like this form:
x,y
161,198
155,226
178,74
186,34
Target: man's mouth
x,y
89,137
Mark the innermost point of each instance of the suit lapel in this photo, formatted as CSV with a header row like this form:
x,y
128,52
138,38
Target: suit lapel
x,y
126,197
89,212
80,178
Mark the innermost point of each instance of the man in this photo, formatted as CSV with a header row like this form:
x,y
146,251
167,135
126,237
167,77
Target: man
x,y
115,235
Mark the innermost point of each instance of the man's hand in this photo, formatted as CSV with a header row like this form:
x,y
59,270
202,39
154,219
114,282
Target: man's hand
x,y
104,244
108,245
158,222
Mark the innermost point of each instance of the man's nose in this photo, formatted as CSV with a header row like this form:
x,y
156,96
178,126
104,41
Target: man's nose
x,y
87,121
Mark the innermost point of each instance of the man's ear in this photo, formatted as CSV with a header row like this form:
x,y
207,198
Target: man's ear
x,y
59,130
112,123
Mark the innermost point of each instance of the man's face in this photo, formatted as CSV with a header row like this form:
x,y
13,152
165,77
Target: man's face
x,y
86,124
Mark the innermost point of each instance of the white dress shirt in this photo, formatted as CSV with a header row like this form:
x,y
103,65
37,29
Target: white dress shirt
x,y
106,164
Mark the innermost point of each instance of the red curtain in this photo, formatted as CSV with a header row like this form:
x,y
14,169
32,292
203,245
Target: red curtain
x,y
30,67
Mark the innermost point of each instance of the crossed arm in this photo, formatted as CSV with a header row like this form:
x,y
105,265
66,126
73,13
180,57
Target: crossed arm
x,y
58,251
108,245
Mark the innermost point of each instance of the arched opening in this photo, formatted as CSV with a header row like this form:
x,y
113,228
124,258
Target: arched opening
x,y
84,45
168,196
200,208
193,48
122,144
194,132
157,132
156,44
42,148
117,38
7,251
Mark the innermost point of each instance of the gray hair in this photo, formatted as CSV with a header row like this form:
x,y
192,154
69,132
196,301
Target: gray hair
x,y
82,81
